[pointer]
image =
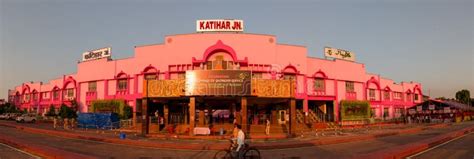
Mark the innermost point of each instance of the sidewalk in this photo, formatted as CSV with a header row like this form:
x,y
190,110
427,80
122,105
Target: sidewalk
x,y
197,143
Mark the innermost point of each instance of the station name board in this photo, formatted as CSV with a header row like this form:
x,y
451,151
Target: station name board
x,y
217,83
96,54
220,25
339,54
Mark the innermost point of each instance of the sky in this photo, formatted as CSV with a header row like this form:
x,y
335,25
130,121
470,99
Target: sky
x,y
427,41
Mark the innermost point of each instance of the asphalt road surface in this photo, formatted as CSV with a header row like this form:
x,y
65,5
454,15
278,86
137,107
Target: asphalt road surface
x,y
459,148
344,150
7,152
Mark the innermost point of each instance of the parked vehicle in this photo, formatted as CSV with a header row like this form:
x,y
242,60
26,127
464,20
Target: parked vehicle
x,y
26,118
12,116
4,116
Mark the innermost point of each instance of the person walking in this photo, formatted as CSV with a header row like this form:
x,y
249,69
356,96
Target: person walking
x,y
55,122
267,127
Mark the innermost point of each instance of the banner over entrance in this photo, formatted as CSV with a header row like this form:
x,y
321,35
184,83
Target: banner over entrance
x,y
218,82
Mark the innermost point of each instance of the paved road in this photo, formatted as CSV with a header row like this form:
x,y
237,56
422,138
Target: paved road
x,y
7,152
106,150
460,148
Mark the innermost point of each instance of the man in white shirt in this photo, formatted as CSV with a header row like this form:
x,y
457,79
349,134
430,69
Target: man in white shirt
x,y
240,141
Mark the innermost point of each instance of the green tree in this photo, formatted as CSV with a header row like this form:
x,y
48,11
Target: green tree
x,y
64,111
463,96
127,112
51,112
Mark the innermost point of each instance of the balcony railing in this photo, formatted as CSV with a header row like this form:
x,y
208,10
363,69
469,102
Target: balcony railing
x,y
351,95
121,92
320,92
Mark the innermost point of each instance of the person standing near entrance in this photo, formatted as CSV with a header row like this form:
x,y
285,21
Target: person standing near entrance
x,y
162,123
267,126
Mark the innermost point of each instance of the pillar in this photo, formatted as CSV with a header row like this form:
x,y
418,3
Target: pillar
x,y
305,110
165,114
274,117
145,117
243,110
201,117
292,116
192,114
209,115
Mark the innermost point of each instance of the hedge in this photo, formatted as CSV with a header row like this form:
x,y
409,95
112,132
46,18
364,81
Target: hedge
x,y
113,106
355,110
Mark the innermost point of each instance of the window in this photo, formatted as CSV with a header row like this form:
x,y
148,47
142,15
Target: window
x,y
45,95
27,98
319,84
372,94
386,95
56,94
92,86
209,65
70,92
122,84
150,77
224,65
349,86
289,77
416,97
397,95
35,96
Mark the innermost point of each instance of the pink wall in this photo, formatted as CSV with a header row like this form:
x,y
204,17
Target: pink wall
x,y
262,53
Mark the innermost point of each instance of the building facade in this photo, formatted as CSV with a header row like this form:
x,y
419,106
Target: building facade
x,y
307,86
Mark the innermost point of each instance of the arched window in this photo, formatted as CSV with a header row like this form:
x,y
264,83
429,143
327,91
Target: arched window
x,y
220,61
150,73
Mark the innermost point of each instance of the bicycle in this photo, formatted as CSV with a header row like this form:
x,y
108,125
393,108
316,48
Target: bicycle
x,y
249,152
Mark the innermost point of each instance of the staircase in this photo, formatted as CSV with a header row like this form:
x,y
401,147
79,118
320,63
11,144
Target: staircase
x,y
312,117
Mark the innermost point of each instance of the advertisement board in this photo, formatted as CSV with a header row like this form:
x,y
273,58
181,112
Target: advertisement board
x,y
218,83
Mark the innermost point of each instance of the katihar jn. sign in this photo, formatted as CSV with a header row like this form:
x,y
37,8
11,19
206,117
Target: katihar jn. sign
x,y
220,25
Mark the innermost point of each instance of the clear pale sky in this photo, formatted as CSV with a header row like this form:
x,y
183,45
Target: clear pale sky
x,y
427,41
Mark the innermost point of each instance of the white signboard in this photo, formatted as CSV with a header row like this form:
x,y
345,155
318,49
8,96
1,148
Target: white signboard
x,y
339,54
431,107
419,108
447,110
220,25
96,54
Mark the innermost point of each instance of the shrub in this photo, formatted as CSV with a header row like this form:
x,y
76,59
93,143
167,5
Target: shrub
x,y
355,110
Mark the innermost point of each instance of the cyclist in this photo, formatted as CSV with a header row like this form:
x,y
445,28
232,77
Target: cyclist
x,y
240,141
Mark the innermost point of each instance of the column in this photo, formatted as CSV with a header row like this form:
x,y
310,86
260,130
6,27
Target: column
x,y
292,116
201,117
243,111
145,117
192,114
165,114
305,110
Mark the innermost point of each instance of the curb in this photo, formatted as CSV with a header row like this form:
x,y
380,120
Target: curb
x,y
220,146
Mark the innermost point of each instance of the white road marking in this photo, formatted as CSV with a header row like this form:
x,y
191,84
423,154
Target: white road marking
x,y
21,151
434,147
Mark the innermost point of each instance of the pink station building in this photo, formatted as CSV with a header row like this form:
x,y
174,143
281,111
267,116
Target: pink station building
x,y
318,85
